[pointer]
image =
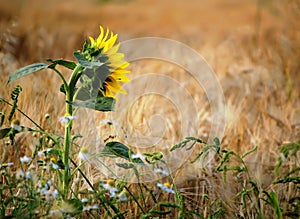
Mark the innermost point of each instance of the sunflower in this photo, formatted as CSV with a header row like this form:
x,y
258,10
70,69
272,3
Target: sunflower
x,y
105,46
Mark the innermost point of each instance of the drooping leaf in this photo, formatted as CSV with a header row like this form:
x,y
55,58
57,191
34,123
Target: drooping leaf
x,y
117,149
26,70
67,64
99,104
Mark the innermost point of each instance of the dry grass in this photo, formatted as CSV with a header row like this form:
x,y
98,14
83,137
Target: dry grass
x,y
257,65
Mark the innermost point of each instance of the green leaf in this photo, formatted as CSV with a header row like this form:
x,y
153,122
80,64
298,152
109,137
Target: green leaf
x,y
26,70
99,103
4,132
125,165
67,64
85,62
117,149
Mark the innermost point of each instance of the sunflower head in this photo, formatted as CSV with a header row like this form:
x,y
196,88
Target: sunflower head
x,y
111,68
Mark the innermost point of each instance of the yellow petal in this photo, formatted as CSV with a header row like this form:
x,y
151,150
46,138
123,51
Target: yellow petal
x,y
113,50
99,39
120,77
114,86
110,42
92,41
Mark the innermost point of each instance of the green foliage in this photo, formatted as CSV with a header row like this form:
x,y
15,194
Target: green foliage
x,y
14,96
116,149
26,71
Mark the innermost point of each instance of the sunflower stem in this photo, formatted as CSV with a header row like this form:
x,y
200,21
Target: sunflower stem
x,y
68,128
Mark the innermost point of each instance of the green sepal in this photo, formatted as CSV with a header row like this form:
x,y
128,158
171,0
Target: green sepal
x,y
84,62
26,71
67,64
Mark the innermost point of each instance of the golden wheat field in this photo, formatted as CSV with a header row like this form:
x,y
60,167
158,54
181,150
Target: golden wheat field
x,y
252,48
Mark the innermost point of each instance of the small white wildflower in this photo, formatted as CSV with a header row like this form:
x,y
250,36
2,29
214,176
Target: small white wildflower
x,y
84,200
25,159
44,191
54,164
6,165
84,153
55,193
166,187
28,175
47,116
138,155
161,171
123,196
66,118
7,142
109,122
110,187
20,174
9,164
40,153
15,124
86,208
95,206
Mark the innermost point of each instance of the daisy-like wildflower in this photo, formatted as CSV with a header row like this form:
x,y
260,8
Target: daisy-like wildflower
x,y
28,175
84,153
15,124
90,207
138,155
104,48
95,206
110,186
56,164
66,118
44,188
55,193
84,200
20,174
166,187
25,159
123,196
6,165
